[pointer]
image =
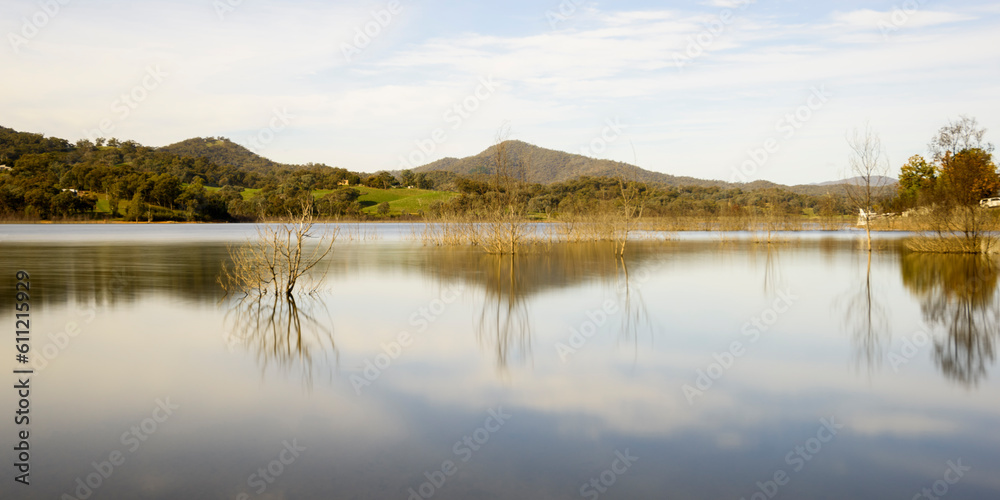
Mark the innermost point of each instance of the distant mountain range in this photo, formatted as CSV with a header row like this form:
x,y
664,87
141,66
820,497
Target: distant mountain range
x,y
877,180
547,166
541,165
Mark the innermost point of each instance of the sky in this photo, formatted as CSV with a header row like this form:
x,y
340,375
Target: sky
x,y
735,90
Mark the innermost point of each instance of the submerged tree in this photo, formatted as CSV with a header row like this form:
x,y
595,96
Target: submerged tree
x,y
632,199
869,168
506,225
278,258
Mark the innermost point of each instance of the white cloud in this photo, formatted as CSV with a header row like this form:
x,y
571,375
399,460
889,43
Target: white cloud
x,y
867,19
226,76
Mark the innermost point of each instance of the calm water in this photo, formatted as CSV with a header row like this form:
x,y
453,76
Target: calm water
x,y
695,369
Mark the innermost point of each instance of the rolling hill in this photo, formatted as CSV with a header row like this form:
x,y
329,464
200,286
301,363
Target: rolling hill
x,y
547,166
222,151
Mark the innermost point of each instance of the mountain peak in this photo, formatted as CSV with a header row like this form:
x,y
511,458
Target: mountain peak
x,y
548,166
222,151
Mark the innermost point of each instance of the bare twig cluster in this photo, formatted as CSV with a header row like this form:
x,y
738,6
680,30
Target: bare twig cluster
x,y
278,258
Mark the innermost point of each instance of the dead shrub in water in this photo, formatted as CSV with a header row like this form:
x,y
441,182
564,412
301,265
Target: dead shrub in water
x,y
277,259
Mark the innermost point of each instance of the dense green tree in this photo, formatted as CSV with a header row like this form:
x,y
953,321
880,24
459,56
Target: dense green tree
x,y
917,180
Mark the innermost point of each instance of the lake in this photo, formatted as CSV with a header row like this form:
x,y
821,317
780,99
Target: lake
x,y
699,367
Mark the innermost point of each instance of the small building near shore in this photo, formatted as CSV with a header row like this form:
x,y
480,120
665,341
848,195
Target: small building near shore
x,y
5,168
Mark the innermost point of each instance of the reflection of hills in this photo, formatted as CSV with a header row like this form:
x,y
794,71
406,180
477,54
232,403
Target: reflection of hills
x,y
958,294
547,267
122,272
115,273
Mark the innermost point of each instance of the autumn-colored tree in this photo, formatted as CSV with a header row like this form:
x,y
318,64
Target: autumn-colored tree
x,y
969,176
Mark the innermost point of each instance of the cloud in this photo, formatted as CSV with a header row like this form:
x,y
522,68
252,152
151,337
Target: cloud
x,y
867,19
555,84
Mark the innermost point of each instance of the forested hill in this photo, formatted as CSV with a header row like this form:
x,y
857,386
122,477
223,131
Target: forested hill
x,y
45,177
14,144
211,179
548,166
222,151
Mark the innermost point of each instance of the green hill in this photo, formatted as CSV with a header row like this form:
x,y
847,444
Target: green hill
x,y
222,151
548,166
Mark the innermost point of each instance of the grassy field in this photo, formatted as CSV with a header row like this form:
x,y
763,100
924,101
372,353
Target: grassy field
x,y
401,201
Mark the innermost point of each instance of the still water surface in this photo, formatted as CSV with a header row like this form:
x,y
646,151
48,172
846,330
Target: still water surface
x,y
696,369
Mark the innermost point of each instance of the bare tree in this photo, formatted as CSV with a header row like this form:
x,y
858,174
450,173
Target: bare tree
x,y
957,136
632,197
277,259
507,227
870,168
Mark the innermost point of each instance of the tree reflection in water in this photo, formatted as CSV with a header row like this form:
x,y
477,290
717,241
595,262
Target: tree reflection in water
x,y
282,332
634,313
866,319
958,296
504,325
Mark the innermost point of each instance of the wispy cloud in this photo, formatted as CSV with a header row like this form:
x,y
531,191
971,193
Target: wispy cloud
x,y
555,84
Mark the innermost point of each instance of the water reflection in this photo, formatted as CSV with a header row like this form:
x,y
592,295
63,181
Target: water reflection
x,y
635,318
111,275
509,284
866,320
958,297
283,334
504,325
